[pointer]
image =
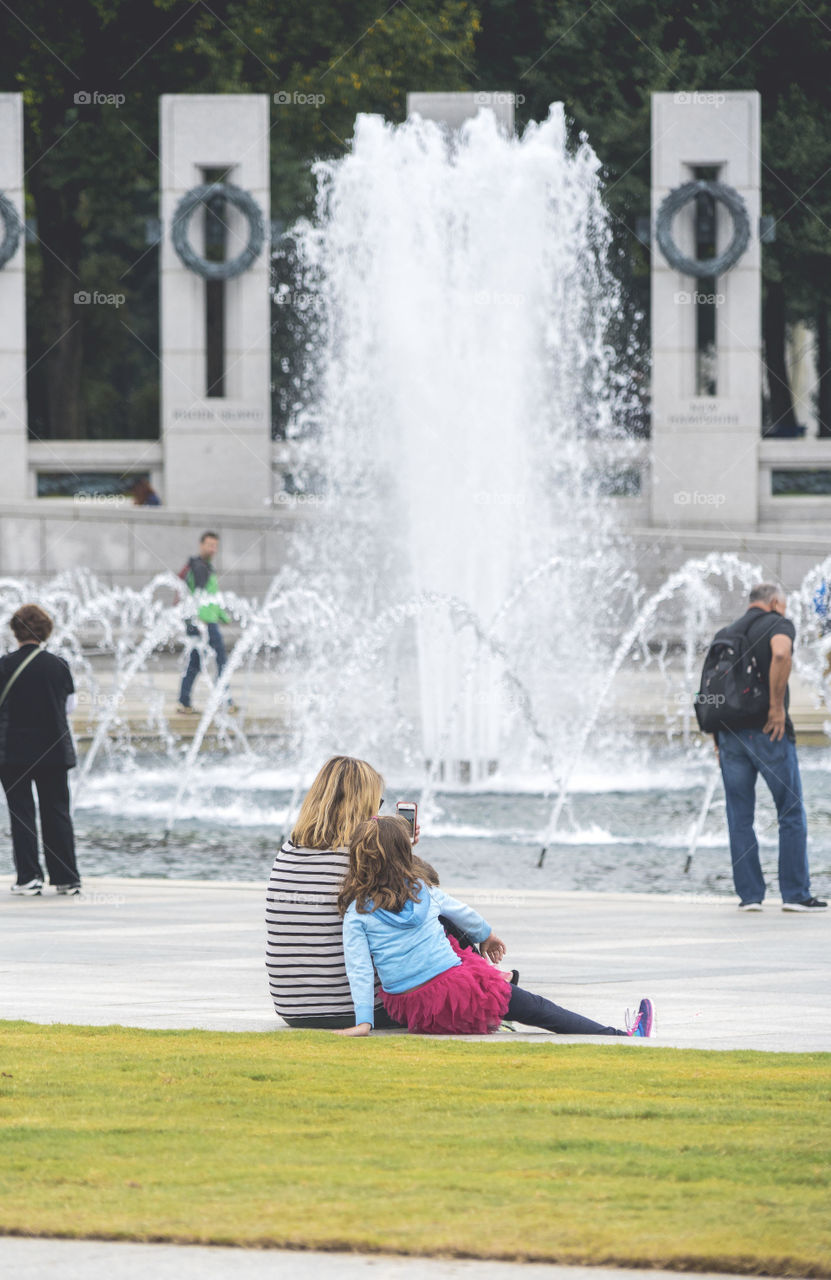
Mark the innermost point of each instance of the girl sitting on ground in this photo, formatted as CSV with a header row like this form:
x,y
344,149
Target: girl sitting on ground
x,y
427,872
429,984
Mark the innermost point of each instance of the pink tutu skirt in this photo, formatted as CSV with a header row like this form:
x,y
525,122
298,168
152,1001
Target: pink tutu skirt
x,y
469,999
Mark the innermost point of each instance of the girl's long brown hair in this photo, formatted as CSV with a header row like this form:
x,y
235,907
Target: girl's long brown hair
x,y
381,870
345,792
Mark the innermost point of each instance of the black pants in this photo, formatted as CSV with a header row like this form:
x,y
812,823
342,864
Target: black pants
x,y
536,1011
55,823
336,1022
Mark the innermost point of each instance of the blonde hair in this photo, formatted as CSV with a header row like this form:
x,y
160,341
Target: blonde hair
x,y
345,792
382,873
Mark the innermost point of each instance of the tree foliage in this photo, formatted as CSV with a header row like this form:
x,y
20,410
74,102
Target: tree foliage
x,y
92,167
606,60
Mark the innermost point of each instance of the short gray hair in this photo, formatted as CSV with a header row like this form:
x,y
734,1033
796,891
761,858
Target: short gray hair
x,y
766,593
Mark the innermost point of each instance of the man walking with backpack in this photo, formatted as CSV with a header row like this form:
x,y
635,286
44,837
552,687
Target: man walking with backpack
x,y
744,703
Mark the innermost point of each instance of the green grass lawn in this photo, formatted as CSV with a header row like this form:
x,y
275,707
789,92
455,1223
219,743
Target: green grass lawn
x,y
626,1154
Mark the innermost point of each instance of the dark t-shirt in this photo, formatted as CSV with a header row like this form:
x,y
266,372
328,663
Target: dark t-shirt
x,y
761,624
33,725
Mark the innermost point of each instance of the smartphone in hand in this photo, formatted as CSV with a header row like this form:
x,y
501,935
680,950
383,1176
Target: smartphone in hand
x,y
408,809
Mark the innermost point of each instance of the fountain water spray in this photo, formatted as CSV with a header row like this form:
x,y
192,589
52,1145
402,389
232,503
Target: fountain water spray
x,y
690,578
456,439
695,834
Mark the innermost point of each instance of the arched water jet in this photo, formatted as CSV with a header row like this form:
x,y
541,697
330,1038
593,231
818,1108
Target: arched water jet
x,y
513,599
261,629
163,631
691,573
218,694
812,660
695,834
362,655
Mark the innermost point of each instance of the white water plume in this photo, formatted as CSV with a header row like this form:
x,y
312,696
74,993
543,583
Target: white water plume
x,y
464,298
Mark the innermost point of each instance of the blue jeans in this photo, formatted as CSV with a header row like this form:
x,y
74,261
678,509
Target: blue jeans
x,y
195,663
743,754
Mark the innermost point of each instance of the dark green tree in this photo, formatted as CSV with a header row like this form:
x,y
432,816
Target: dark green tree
x,y
92,165
604,61
92,169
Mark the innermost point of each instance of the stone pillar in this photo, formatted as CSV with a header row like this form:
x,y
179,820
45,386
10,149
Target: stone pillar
x,y
705,448
13,432
217,449
453,109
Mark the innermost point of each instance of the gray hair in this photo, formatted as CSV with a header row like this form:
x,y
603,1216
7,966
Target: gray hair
x,y
766,593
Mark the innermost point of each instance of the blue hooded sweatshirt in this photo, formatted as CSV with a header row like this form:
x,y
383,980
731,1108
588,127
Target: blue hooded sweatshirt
x,y
409,947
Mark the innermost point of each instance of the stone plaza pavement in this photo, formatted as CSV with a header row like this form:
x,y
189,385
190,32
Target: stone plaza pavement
x,y
100,1260
173,953
167,953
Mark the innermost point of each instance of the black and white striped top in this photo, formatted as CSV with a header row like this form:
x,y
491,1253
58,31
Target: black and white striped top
x,y
304,939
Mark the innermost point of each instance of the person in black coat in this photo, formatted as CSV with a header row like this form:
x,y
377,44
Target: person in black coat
x,y
36,748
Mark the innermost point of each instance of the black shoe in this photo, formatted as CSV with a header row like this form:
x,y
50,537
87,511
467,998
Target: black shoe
x,y
514,978
68,890
808,904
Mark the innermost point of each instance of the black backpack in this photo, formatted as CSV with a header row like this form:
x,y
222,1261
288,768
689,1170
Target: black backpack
x,y
732,688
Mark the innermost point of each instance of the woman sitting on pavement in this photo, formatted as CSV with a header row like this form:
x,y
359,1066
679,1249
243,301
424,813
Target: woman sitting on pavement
x,y
304,949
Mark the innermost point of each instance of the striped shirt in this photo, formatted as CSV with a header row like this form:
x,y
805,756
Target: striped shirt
x,y
304,934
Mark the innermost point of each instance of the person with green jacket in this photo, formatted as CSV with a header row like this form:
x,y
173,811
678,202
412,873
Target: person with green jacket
x,y
200,575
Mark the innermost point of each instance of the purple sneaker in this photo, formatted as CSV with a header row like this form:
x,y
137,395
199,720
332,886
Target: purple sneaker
x,y
642,1024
